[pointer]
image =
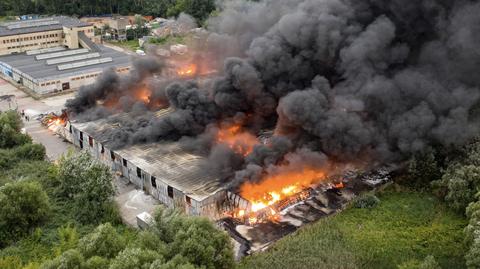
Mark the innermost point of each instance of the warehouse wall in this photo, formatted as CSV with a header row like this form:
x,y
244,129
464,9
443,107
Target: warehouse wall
x,y
166,194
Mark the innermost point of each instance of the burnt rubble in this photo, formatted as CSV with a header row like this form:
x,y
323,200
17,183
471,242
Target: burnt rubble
x,y
324,200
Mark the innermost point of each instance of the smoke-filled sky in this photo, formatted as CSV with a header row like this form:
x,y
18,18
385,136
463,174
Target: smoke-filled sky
x,y
337,80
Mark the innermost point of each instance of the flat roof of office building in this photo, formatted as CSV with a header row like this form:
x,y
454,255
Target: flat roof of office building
x,y
39,70
40,25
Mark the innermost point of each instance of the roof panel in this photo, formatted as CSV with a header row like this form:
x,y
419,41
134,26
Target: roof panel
x,y
60,54
73,58
84,63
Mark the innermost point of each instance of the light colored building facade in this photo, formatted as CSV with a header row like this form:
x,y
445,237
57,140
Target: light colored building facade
x,y
22,36
55,54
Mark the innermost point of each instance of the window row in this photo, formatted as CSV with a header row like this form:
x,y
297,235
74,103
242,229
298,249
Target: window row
x,y
84,77
33,44
28,38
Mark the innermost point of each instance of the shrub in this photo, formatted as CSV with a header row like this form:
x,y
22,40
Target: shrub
x,y
473,215
104,241
178,262
460,184
33,152
131,258
23,205
10,262
97,262
9,137
423,169
70,259
89,184
366,201
473,255
196,239
68,238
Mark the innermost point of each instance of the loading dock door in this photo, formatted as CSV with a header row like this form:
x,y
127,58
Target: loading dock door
x,y
66,86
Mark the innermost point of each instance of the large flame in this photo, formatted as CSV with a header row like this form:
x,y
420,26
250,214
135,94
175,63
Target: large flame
x,y
234,137
188,70
276,187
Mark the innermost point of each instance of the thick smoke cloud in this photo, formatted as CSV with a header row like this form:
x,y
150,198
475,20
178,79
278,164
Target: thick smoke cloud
x,y
372,79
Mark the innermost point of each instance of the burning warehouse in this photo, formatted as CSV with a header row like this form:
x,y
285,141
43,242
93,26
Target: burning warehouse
x,y
164,170
336,83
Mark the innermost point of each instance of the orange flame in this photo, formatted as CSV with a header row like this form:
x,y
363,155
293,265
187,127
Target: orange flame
x,y
188,70
240,141
54,122
279,186
143,94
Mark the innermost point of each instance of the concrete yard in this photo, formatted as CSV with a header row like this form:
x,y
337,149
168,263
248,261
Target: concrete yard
x,y
54,145
132,202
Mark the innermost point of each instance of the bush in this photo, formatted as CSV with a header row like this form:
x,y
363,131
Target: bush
x,y
97,262
9,137
32,152
366,201
89,184
460,184
473,255
134,258
23,205
104,241
196,239
178,262
10,157
70,259
423,169
10,262
473,215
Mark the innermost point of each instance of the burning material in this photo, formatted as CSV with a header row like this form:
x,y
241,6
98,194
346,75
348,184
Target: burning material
x,y
187,71
276,192
275,188
240,141
54,122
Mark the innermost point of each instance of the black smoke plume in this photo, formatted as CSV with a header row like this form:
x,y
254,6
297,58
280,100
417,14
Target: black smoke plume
x,y
376,79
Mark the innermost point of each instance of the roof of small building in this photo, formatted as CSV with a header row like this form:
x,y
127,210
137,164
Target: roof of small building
x,y
39,70
168,161
40,25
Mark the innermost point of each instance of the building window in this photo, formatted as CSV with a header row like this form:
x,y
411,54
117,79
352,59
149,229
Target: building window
x,y
112,155
124,161
139,172
154,181
170,192
90,141
81,134
188,200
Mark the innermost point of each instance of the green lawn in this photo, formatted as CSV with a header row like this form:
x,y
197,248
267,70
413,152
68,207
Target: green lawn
x,y
128,44
405,226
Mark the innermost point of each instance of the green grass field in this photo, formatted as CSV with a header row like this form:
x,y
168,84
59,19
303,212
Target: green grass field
x,y
129,44
405,226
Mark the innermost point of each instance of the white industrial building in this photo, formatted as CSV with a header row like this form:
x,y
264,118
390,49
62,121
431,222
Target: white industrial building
x,y
55,54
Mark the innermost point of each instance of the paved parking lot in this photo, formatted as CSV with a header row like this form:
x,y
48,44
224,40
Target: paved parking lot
x,y
55,146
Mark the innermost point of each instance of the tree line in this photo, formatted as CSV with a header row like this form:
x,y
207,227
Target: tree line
x,y
199,9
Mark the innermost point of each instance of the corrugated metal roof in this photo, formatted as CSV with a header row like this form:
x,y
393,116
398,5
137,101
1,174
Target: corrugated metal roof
x,y
39,70
166,160
170,163
63,21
